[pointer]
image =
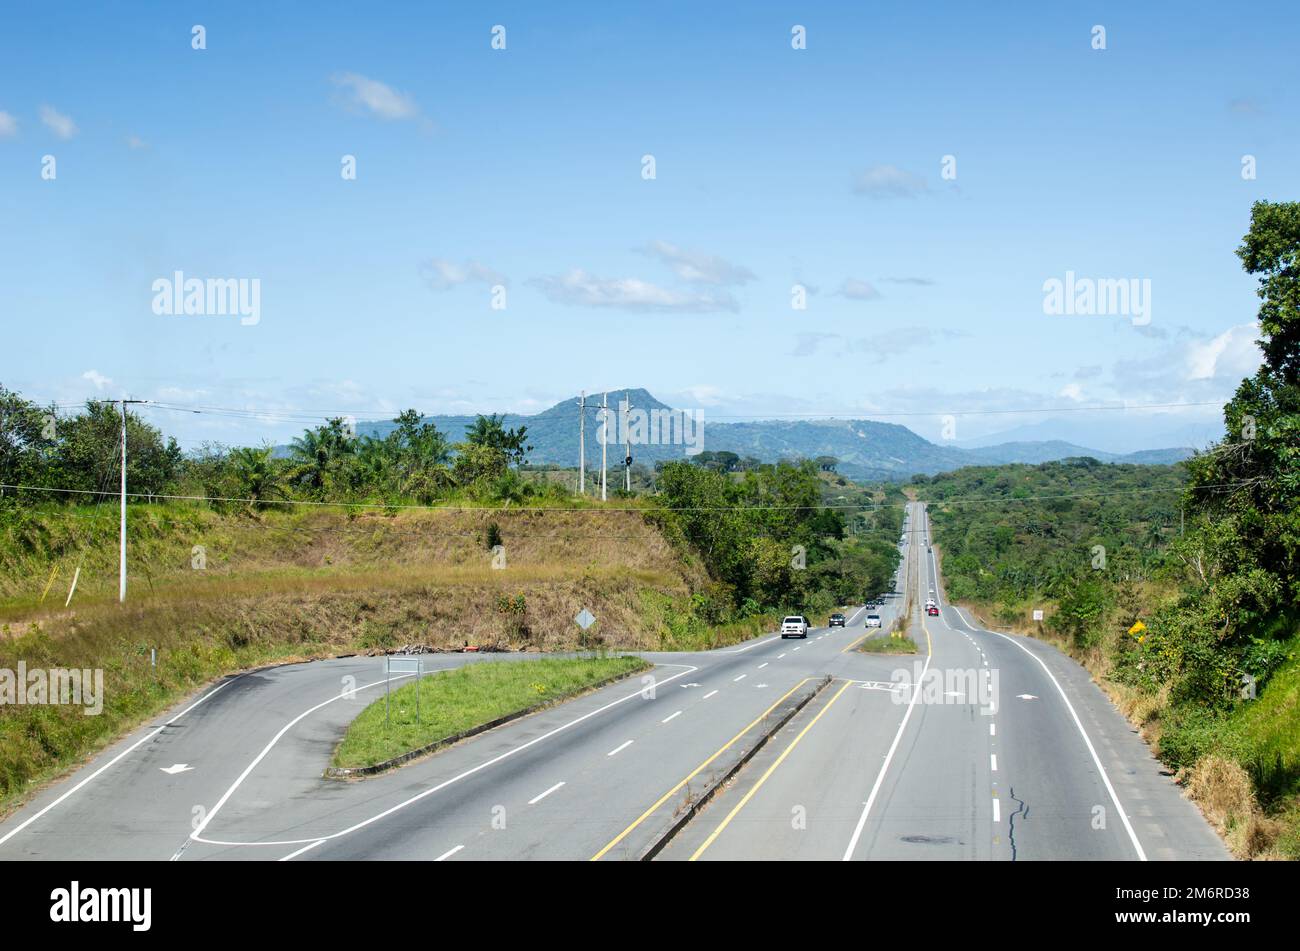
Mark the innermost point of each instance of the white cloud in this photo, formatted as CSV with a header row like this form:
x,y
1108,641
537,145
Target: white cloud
x,y
1231,355
1071,391
8,125
62,126
377,98
917,281
859,290
579,288
887,343
442,274
889,181
698,268
97,379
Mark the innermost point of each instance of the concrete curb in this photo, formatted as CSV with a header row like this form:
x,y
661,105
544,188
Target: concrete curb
x,y
354,772
775,721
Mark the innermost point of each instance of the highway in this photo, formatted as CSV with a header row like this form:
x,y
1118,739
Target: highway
x,y
1014,754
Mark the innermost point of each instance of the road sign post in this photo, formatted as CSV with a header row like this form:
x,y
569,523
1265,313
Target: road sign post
x,y
401,665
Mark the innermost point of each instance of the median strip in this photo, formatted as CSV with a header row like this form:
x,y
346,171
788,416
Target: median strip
x,y
460,703
713,773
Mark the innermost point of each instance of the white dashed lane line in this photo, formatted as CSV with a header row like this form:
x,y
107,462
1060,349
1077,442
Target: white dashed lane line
x,y
449,853
739,679
671,716
709,694
620,748
536,799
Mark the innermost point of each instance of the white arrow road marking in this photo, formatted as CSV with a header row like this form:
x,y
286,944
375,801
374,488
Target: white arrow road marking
x,y
178,768
684,686
880,685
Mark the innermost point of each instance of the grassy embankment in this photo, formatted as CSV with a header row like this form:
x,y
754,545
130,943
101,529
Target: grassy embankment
x,y
282,586
453,701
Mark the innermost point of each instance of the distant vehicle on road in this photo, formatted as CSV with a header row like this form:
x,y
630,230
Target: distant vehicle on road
x,y
796,625
837,620
932,610
873,620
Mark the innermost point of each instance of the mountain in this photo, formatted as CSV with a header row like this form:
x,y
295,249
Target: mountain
x,y
866,449
1098,429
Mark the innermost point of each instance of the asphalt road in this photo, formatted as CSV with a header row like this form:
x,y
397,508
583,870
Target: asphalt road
x,y
870,769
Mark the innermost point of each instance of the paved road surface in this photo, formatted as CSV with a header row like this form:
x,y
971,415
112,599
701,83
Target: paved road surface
x,y
945,776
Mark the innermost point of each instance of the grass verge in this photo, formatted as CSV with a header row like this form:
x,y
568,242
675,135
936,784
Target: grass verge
x,y
454,701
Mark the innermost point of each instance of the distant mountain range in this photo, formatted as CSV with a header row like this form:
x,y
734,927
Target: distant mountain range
x,y
866,449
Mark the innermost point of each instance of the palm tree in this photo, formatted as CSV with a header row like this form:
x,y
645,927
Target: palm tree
x,y
315,452
256,471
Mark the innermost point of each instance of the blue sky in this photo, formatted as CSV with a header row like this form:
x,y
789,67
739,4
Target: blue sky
x,y
523,167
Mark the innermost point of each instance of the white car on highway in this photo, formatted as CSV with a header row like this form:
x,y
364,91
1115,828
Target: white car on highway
x,y
873,620
796,625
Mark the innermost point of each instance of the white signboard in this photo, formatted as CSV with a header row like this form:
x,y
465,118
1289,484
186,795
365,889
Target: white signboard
x,y
1038,614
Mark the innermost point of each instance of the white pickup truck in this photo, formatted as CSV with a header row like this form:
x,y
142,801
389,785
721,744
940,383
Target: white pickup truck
x,y
796,625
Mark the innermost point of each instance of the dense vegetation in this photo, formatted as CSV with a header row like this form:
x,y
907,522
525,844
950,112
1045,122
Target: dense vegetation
x,y
1205,554
770,541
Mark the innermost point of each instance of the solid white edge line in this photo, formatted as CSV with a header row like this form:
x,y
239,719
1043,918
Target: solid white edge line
x,y
741,650
536,799
306,848
149,736
276,739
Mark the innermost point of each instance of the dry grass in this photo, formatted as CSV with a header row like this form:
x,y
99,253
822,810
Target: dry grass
x,y
293,586
1223,790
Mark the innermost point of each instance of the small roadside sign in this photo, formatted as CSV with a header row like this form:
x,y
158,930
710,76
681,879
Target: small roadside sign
x,y
1038,614
401,664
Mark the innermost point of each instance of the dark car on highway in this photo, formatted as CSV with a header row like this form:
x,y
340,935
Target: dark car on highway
x,y
837,620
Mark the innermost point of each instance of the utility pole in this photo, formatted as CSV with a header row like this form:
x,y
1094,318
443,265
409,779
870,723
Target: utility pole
x,y
604,441
627,442
121,567
582,443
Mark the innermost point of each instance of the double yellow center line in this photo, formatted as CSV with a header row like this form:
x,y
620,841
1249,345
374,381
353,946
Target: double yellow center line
x,y
695,772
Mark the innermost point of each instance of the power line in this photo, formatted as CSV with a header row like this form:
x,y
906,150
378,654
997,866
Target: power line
x,y
643,509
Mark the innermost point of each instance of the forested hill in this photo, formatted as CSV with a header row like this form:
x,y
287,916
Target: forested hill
x,y
864,449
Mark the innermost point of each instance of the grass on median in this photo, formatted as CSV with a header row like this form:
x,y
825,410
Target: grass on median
x,y
894,644
454,701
